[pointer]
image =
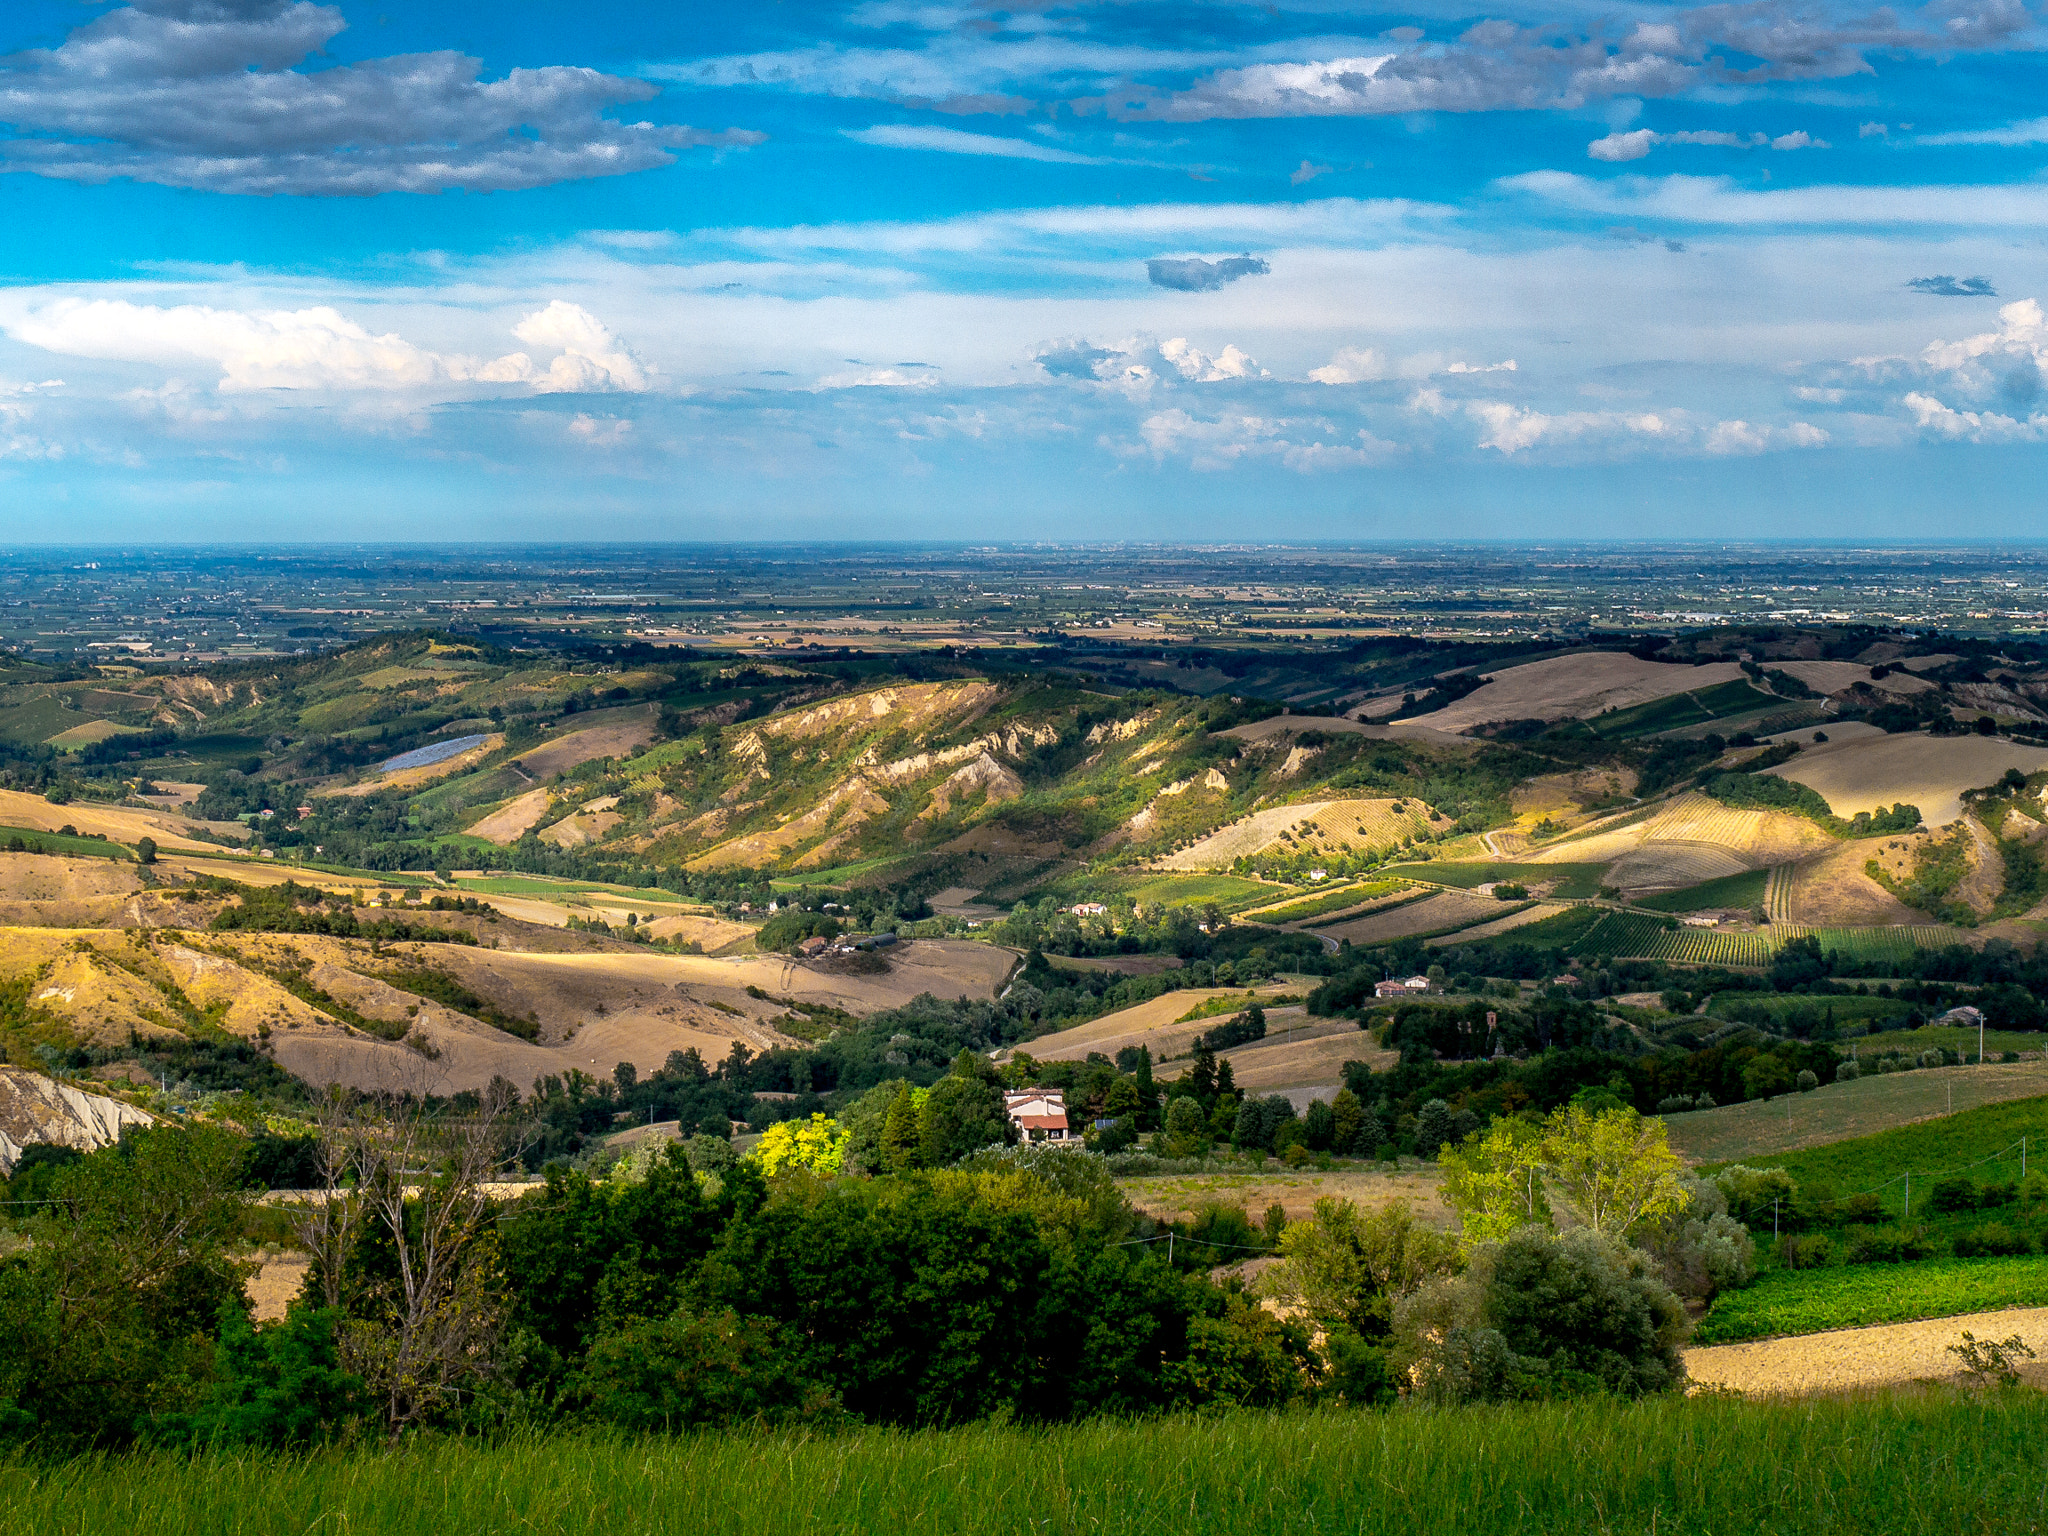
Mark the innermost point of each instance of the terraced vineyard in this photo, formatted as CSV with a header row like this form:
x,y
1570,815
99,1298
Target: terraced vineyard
x,y
1695,818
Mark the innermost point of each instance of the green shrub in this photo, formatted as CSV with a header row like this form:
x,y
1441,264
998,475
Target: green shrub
x,y
784,931
277,1385
1954,1194
1864,1209
689,1370
1541,1315
1890,1245
1805,1252
1993,1240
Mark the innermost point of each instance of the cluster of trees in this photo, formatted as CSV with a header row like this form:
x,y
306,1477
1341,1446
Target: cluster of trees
x,y
293,908
685,1287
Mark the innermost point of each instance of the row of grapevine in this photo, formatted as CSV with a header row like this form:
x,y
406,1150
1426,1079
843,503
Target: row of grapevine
x,y
1623,933
1696,946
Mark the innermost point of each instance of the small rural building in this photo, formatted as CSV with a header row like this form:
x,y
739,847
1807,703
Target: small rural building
x,y
1702,920
1040,1114
1966,1016
814,945
1089,909
1391,989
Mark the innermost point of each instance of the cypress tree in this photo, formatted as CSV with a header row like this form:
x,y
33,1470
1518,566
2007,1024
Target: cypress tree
x,y
1148,1096
902,1145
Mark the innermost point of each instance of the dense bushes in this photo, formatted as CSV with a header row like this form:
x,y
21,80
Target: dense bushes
x,y
1541,1315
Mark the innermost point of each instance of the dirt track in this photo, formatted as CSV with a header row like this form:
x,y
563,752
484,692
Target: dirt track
x,y
1850,1359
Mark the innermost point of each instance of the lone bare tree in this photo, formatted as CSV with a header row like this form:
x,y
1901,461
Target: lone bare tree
x,y
411,1182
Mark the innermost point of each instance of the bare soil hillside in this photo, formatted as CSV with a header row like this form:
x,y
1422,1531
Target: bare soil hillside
x,y
585,738
514,819
35,1108
1831,888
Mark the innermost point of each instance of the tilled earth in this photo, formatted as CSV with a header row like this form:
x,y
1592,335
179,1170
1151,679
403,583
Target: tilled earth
x,y
1850,1359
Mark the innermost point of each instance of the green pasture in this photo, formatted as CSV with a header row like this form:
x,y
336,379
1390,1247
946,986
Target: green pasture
x,y
1233,893
1847,1006
1696,707
57,842
1945,1463
1983,1140
543,887
1329,901
1947,1037
1737,891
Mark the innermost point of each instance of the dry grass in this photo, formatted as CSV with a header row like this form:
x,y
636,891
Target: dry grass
x,y
1500,925
1577,687
1834,676
124,824
277,1280
1832,889
1838,1111
1871,773
1860,1359
1154,1023
1179,1195
1419,917
1699,824
1311,1057
425,773
1335,826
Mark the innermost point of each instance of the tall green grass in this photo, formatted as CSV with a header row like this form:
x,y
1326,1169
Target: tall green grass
x,y
1899,1465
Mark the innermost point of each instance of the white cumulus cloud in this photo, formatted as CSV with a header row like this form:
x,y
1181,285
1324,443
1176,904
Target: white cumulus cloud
x,y
319,348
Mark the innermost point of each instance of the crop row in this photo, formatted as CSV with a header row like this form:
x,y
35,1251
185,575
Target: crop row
x,y
1792,1301
1707,947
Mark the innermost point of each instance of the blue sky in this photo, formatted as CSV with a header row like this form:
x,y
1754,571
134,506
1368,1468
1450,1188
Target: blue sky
x,y
925,269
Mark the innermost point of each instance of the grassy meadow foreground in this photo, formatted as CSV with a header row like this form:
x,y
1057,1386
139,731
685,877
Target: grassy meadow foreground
x,y
1936,1463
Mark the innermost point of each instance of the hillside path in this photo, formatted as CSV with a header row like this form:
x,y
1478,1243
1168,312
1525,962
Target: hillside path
x,y
1849,1359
